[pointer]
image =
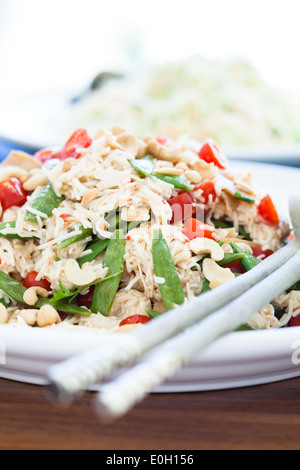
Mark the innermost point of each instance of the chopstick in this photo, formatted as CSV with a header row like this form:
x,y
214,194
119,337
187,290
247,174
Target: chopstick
x,y
119,396
78,373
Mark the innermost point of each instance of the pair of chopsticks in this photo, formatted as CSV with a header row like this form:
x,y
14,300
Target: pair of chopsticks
x,y
175,338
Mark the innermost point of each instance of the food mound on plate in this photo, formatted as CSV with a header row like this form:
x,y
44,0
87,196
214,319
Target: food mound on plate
x,y
111,233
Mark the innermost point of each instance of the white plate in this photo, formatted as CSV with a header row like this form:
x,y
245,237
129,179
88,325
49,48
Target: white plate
x,y
34,121
237,360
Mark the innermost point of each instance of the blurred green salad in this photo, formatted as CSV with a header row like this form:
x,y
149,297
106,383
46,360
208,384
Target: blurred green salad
x,y
226,100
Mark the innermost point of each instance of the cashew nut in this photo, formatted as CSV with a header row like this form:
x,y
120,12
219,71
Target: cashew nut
x,y
118,130
47,316
13,172
99,133
22,160
142,150
34,182
193,176
30,316
147,138
162,152
213,272
3,314
169,171
182,166
30,296
186,157
131,214
205,245
78,276
129,142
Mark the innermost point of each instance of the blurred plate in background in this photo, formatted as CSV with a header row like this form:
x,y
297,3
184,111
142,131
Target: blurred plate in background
x,y
35,120
31,122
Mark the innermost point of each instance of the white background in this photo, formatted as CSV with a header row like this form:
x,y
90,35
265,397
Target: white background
x,y
63,43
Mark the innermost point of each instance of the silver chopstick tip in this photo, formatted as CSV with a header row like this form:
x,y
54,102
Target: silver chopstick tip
x,y
63,389
109,406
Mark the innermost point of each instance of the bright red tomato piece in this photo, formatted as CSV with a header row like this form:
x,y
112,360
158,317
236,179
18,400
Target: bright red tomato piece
x,y
87,299
211,153
12,193
135,320
194,228
79,139
295,321
30,281
208,189
162,139
65,216
258,251
182,206
45,155
236,267
268,211
63,315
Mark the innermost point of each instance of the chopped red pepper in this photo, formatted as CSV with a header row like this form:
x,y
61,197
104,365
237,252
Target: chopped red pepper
x,y
182,206
67,218
30,281
63,315
236,267
135,320
194,228
259,252
162,139
12,193
211,153
45,155
268,211
295,321
87,299
79,139
208,189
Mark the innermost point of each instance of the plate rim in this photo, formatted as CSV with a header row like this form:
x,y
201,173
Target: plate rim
x,y
31,370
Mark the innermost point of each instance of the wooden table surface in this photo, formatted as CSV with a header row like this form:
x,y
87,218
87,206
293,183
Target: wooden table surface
x,y
262,417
